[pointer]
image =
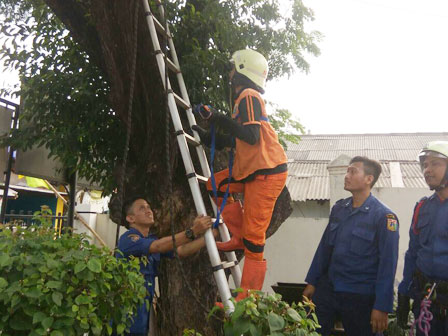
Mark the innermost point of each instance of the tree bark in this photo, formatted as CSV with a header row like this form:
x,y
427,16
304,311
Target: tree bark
x,y
104,28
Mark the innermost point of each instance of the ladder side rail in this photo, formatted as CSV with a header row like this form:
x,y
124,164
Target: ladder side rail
x,y
184,94
231,256
223,230
215,260
155,40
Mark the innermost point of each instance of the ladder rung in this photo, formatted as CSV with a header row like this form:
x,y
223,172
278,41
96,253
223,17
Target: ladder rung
x,y
192,140
172,66
224,265
200,178
180,102
228,264
160,28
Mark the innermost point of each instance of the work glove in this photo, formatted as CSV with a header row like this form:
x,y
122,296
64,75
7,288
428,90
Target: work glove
x,y
403,308
204,111
205,136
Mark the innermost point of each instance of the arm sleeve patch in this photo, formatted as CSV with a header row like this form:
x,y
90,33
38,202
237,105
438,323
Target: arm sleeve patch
x,y
135,245
392,222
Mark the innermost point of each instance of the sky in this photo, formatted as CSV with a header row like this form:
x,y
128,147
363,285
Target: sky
x,y
383,68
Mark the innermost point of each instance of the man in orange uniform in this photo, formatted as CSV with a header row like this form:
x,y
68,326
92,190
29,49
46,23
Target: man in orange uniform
x,y
259,169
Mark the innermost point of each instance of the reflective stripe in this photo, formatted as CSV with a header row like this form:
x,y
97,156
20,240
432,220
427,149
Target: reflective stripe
x,y
252,247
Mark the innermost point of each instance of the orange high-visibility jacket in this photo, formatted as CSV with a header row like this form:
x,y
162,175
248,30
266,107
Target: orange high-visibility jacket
x,y
267,152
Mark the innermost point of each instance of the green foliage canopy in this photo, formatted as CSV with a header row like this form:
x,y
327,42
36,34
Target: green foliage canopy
x,y
66,95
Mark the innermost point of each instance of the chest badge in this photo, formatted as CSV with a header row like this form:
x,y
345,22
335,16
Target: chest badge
x,y
392,224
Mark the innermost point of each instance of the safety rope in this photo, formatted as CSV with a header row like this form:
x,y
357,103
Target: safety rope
x,y
215,191
168,171
425,317
129,121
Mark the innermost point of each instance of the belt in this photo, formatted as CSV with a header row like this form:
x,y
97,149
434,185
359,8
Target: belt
x,y
423,281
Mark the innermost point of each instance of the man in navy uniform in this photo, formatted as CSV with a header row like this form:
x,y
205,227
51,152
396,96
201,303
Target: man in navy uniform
x,y
353,270
138,242
426,261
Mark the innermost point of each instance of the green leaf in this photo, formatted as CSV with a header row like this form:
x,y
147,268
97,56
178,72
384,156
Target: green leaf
x,y
47,322
57,298
120,328
241,326
54,284
275,322
292,313
80,266
239,310
38,317
5,260
94,265
56,333
82,299
33,292
255,331
3,283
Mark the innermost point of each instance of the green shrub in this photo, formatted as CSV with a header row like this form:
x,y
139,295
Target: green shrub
x,y
63,285
266,314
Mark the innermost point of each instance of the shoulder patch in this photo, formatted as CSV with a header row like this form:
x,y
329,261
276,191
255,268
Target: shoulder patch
x,y
392,223
134,237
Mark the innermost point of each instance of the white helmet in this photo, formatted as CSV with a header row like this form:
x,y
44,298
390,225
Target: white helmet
x,y
436,149
251,64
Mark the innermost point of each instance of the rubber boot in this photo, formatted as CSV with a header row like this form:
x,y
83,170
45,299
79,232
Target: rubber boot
x,y
233,217
253,278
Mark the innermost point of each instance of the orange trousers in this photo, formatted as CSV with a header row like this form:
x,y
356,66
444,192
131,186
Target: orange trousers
x,y
260,196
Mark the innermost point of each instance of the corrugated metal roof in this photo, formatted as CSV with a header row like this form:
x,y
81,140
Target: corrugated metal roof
x,y
308,175
383,147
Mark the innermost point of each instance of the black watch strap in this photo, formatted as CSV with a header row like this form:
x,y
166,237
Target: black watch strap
x,y
190,234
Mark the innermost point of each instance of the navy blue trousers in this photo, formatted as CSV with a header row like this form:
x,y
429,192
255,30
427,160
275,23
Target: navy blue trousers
x,y
353,309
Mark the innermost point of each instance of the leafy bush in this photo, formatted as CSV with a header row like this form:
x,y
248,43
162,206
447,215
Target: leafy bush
x,y
266,314
63,285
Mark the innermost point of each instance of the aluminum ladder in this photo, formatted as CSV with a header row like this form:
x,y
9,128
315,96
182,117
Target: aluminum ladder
x,y
182,101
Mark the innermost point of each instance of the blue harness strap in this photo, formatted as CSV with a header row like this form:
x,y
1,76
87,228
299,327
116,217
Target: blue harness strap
x,y
215,192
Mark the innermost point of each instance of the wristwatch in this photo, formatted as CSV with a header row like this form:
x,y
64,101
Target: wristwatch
x,y
190,234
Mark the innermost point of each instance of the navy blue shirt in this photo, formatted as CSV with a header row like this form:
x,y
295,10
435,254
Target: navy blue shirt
x,y
428,243
359,251
133,243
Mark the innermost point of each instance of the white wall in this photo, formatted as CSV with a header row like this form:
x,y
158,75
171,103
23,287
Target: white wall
x,y
402,202
107,230
290,250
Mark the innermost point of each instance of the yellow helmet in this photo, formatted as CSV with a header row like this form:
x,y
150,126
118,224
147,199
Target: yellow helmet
x,y
251,64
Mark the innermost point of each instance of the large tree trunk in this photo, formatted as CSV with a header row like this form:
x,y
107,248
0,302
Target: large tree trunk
x,y
105,30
